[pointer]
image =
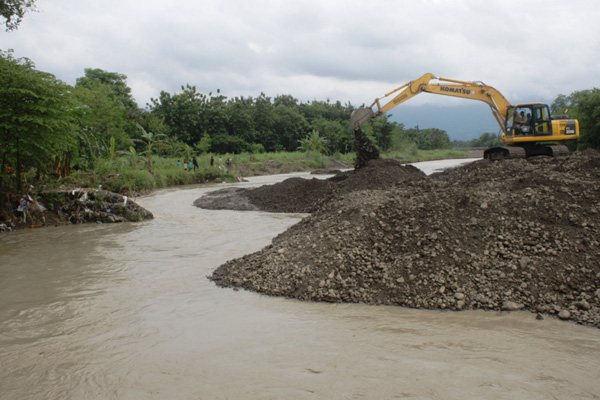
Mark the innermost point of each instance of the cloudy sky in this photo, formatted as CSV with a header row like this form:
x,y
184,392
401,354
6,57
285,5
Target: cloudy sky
x,y
352,51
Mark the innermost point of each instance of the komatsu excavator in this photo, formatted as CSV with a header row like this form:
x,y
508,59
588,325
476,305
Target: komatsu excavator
x,y
527,129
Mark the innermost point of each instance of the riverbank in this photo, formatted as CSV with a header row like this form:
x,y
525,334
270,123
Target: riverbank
x,y
113,177
76,204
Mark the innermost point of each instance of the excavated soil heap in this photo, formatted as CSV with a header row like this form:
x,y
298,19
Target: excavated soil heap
x,y
298,195
506,235
364,148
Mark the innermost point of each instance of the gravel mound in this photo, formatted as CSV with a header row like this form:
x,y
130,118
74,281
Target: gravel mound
x,y
298,195
506,235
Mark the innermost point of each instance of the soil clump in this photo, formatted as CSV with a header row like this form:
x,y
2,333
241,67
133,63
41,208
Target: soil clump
x,y
505,235
364,148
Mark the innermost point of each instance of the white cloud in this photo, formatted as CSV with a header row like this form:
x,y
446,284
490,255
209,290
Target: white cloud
x,y
531,50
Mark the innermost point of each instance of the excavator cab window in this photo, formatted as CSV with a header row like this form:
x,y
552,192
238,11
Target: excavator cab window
x,y
522,121
510,122
542,124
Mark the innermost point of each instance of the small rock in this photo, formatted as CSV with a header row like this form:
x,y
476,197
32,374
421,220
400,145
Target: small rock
x,y
564,314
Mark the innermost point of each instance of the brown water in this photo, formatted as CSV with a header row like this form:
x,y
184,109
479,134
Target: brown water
x,y
125,311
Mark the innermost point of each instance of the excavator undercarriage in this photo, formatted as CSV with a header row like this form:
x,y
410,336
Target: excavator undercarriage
x,y
507,152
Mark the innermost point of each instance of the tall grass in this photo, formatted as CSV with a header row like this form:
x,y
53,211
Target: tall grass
x,y
131,174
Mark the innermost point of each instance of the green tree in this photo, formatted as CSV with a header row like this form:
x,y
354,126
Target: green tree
x,y
35,117
99,117
115,81
289,126
149,140
183,113
584,106
313,143
337,133
13,11
263,118
437,138
240,122
203,145
382,131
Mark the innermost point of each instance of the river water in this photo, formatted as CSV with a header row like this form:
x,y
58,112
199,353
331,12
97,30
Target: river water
x,y
125,311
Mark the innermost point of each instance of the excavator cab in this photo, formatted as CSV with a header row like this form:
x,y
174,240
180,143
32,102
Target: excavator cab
x,y
528,120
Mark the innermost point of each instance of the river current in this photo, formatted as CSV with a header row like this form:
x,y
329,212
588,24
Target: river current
x,y
125,311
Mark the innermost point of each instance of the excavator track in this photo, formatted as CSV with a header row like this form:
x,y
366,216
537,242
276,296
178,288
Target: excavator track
x,y
559,151
504,153
508,152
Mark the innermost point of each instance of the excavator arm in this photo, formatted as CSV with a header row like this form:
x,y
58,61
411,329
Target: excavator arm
x,y
444,86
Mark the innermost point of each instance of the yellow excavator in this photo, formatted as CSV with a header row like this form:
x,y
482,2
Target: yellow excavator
x,y
527,129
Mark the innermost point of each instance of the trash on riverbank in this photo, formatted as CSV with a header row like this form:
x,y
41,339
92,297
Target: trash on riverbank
x,y
74,206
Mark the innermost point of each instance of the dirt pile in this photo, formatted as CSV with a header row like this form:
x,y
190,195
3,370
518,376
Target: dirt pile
x,y
298,195
364,148
508,235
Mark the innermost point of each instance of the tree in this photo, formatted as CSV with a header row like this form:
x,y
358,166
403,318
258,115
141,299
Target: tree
x,y
183,113
149,140
115,81
13,11
382,131
263,118
35,117
99,117
314,143
289,126
240,122
337,133
584,106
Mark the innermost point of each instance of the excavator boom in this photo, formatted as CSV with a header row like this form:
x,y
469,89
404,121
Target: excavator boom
x,y
447,87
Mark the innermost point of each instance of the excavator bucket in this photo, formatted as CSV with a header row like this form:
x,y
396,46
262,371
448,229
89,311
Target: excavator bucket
x,y
360,116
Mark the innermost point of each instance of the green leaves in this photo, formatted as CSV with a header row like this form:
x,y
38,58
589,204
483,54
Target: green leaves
x,y
313,143
14,11
35,116
583,105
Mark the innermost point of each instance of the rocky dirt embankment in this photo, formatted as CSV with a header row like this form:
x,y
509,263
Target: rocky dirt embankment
x,y
75,206
507,235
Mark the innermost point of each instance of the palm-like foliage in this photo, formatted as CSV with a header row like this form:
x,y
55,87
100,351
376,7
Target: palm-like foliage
x,y
313,142
149,140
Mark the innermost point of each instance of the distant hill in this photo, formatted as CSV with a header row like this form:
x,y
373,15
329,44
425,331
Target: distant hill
x,y
460,122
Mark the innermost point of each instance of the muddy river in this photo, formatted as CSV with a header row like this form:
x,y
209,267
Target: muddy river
x,y
125,311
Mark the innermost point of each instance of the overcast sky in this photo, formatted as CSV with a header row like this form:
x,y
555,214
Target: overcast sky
x,y
352,51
